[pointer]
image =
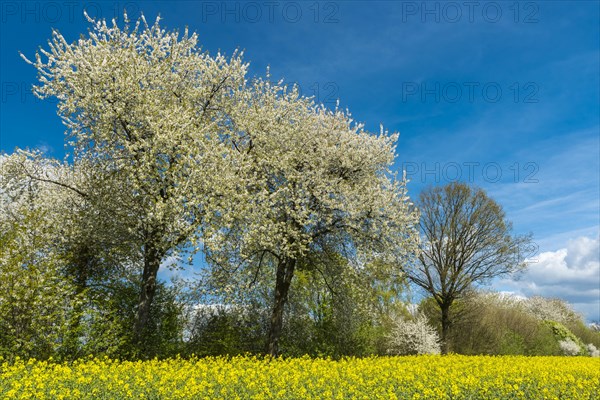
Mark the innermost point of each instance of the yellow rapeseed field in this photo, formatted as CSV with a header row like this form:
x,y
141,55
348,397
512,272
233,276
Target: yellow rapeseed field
x,y
415,377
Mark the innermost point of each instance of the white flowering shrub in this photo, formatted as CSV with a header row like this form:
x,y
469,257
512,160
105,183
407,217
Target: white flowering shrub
x,y
593,350
414,337
551,310
569,347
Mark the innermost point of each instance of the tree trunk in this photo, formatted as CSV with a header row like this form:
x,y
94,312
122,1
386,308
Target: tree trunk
x,y
445,307
285,273
152,259
80,269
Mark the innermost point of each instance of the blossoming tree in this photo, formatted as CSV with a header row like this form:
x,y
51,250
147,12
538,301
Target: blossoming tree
x,y
313,181
144,105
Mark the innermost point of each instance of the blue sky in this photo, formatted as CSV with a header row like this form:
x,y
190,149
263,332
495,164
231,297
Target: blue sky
x,y
502,94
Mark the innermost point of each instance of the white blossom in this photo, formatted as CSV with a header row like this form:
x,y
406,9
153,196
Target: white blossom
x,y
414,337
569,347
593,350
307,173
551,309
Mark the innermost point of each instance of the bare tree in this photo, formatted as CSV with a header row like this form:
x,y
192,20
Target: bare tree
x,y
466,240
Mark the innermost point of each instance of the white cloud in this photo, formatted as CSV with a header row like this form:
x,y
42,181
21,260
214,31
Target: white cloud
x,y
571,273
45,148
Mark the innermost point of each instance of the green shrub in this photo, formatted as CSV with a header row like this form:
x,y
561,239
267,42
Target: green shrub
x,y
562,333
